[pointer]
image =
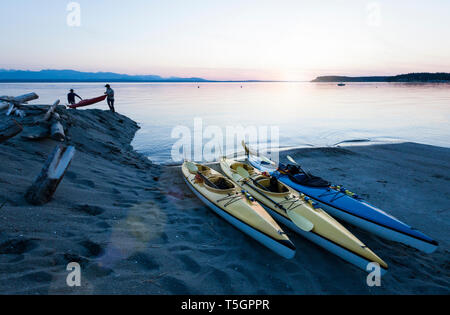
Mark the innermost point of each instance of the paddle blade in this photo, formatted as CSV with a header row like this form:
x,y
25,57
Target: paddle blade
x,y
236,177
247,151
262,157
241,171
291,159
299,220
192,167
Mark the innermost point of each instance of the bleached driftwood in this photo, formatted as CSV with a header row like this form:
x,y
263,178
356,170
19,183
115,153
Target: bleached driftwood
x,y
3,105
57,131
14,102
11,110
22,99
11,129
51,110
51,175
56,116
20,113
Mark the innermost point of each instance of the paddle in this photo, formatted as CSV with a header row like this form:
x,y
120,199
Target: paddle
x,y
291,159
299,220
248,151
244,174
194,169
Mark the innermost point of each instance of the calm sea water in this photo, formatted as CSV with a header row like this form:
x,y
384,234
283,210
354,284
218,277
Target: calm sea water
x,y
307,114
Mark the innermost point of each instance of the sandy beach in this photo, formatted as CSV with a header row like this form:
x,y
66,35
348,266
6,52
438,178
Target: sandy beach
x,y
135,228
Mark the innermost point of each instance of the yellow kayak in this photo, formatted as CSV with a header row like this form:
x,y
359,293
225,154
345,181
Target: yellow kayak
x,y
239,209
290,208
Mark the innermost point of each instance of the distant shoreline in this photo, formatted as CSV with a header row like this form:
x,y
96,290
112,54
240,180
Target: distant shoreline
x,y
72,76
410,77
138,81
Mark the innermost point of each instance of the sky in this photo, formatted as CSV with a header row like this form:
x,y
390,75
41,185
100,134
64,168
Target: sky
x,y
228,39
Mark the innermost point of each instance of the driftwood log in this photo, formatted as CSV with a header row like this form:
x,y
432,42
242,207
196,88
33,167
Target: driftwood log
x,y
51,175
51,110
22,99
57,131
3,105
15,103
11,129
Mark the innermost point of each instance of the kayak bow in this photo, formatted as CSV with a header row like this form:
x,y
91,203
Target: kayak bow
x,y
230,203
294,211
342,205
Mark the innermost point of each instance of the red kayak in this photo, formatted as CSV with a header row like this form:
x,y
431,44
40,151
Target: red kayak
x,y
89,102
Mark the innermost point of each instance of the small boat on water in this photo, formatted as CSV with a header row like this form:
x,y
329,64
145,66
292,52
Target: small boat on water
x,y
341,84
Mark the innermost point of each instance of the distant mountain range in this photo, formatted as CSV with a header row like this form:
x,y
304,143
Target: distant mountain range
x,y
410,77
77,76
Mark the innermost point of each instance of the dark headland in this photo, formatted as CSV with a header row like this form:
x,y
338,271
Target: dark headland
x,y
410,77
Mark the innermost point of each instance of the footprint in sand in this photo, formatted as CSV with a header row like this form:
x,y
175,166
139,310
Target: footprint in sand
x,y
64,259
17,246
180,248
190,264
96,271
103,225
92,249
39,276
144,261
88,209
175,286
70,175
86,182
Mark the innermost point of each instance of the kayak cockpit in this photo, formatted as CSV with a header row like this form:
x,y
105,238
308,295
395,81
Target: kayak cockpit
x,y
272,186
250,169
220,184
204,170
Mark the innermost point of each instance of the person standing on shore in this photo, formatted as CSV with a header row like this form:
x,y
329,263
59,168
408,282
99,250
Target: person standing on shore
x,y
71,97
110,97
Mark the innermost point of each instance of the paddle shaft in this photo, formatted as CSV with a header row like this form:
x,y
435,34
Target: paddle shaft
x,y
207,181
265,196
248,153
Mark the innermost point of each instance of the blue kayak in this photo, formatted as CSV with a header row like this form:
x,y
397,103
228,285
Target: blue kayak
x,y
342,204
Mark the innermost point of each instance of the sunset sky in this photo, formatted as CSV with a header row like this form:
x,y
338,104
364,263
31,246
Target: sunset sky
x,y
229,40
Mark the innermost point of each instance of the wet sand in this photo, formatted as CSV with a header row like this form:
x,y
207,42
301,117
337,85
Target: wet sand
x,y
135,228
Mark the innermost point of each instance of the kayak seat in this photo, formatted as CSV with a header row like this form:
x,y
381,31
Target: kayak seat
x,y
310,181
223,185
272,186
204,170
250,169
298,176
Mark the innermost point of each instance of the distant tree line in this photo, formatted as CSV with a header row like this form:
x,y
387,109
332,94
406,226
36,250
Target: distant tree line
x,y
410,77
